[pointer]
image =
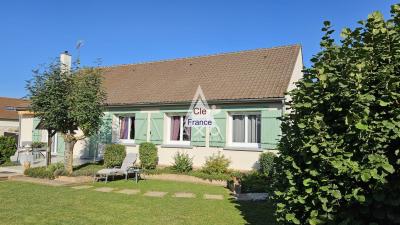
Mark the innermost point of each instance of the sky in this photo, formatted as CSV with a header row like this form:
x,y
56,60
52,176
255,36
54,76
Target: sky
x,y
33,33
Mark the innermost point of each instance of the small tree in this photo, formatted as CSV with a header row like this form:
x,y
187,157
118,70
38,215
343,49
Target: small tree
x,y
48,100
339,152
85,100
68,101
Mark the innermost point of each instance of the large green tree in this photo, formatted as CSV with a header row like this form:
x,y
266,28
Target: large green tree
x,y
340,146
46,91
69,102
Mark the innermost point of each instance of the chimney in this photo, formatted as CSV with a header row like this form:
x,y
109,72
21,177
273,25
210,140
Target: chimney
x,y
65,61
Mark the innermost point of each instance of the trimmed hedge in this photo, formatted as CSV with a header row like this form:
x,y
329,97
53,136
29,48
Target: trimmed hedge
x,y
114,155
266,161
148,155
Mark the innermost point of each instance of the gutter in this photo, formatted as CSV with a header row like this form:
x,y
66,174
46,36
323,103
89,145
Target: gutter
x,y
184,103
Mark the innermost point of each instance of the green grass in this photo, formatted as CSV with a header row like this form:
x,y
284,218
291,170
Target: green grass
x,y
24,203
88,169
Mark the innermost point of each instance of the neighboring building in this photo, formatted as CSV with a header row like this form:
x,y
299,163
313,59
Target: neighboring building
x,y
9,121
149,101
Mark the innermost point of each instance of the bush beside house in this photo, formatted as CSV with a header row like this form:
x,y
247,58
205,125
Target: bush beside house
x,y
8,147
182,162
148,155
114,155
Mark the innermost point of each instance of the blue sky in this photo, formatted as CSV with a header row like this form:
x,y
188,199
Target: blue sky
x,y
119,32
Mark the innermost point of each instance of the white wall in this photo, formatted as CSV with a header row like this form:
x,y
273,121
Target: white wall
x,y
240,160
26,129
8,126
296,75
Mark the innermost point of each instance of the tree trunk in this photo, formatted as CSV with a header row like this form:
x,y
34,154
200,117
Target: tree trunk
x,y
68,155
49,143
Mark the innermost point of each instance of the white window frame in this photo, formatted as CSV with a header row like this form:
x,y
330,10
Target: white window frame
x,y
125,141
168,133
245,144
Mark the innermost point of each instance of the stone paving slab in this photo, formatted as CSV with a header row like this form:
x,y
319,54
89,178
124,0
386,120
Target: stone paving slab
x,y
184,195
159,194
104,189
128,191
213,197
82,187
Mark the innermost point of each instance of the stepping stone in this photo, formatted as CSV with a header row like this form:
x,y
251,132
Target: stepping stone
x,y
213,197
82,187
159,194
104,189
184,195
128,191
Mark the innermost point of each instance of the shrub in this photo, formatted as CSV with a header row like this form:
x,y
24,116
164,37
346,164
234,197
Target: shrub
x,y
39,172
50,172
216,164
254,182
38,144
266,161
148,155
8,147
339,151
182,162
114,155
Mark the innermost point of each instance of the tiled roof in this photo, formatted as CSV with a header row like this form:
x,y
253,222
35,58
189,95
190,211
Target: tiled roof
x,y
8,105
254,74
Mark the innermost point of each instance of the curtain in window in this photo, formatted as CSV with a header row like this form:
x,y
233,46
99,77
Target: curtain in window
x,y
132,133
175,127
254,127
124,127
186,130
238,128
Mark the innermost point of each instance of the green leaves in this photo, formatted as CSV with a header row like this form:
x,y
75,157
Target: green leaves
x,y
340,144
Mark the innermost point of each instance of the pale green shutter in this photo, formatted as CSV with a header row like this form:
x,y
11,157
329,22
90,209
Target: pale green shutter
x,y
218,132
270,128
60,144
106,129
198,136
36,133
140,127
157,128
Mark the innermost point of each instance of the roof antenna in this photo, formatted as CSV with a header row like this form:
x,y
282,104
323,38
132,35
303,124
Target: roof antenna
x,y
78,46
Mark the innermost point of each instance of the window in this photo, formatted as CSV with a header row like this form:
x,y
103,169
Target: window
x,y
178,133
126,128
245,129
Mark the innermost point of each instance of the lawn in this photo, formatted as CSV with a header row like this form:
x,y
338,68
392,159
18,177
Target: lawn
x,y
24,203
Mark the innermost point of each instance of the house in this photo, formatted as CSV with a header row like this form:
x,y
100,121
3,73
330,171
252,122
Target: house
x,y
149,102
9,121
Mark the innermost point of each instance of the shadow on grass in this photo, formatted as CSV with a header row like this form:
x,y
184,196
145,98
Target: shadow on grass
x,y
256,213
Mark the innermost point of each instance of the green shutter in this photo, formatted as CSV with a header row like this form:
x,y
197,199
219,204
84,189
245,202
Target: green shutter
x,y
60,144
198,136
105,132
36,133
218,132
140,127
270,128
156,128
